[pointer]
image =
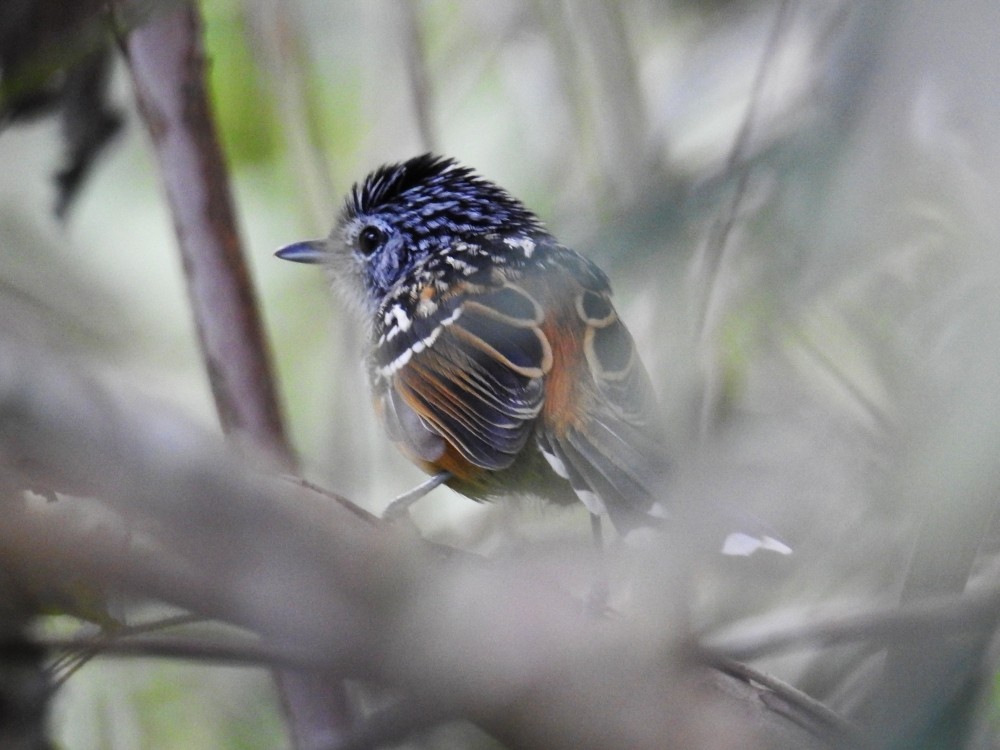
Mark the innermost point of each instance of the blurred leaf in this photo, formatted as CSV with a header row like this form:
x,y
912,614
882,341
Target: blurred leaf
x,y
247,119
55,60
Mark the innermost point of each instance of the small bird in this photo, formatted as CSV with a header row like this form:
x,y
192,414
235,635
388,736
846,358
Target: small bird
x,y
497,361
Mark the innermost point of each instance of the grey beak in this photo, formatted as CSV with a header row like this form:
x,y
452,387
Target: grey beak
x,y
310,251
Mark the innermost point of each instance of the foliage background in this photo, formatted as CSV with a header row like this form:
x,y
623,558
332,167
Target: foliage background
x,y
830,365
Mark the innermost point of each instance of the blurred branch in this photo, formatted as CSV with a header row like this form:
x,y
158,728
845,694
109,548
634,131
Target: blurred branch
x,y
874,412
938,618
416,67
223,651
712,260
168,70
283,57
74,658
839,726
183,521
932,91
605,57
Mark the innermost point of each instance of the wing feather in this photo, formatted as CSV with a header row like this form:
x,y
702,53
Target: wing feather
x,y
612,446
472,368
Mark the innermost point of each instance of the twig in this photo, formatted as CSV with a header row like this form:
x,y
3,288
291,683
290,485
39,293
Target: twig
x,y
845,729
74,659
416,67
874,412
246,653
339,499
284,57
975,612
713,257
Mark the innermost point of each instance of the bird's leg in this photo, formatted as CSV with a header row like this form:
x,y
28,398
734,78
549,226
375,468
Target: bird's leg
x,y
402,503
597,599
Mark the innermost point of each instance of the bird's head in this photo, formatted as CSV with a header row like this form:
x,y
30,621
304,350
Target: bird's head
x,y
403,213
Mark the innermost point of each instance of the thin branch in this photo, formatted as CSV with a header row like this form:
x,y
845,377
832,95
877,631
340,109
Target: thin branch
x,y
835,370
416,68
844,729
339,499
74,658
246,653
971,613
713,257
284,57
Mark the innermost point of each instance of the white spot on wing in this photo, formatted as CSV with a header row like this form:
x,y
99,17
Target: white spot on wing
x,y
459,265
396,321
556,463
451,318
397,363
426,307
592,502
525,244
740,544
418,346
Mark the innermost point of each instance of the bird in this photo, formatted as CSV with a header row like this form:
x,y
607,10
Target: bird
x,y
496,359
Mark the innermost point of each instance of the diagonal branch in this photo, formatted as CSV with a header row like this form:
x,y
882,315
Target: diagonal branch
x,y
168,71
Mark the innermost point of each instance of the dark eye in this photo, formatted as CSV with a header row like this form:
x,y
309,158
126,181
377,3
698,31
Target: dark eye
x,y
370,240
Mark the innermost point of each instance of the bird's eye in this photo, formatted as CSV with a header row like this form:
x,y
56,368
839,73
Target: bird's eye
x,y
370,240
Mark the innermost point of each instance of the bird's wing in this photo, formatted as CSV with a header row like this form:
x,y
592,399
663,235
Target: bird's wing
x,y
599,426
463,372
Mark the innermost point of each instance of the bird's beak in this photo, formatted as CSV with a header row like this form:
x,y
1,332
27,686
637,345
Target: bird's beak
x,y
310,251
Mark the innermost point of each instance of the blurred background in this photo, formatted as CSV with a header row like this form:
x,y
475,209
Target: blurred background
x,y
796,204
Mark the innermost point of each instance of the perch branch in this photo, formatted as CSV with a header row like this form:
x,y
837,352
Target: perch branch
x,y
184,521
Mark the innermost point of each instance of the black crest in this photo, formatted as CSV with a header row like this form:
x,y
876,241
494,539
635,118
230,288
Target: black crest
x,y
431,191
390,181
